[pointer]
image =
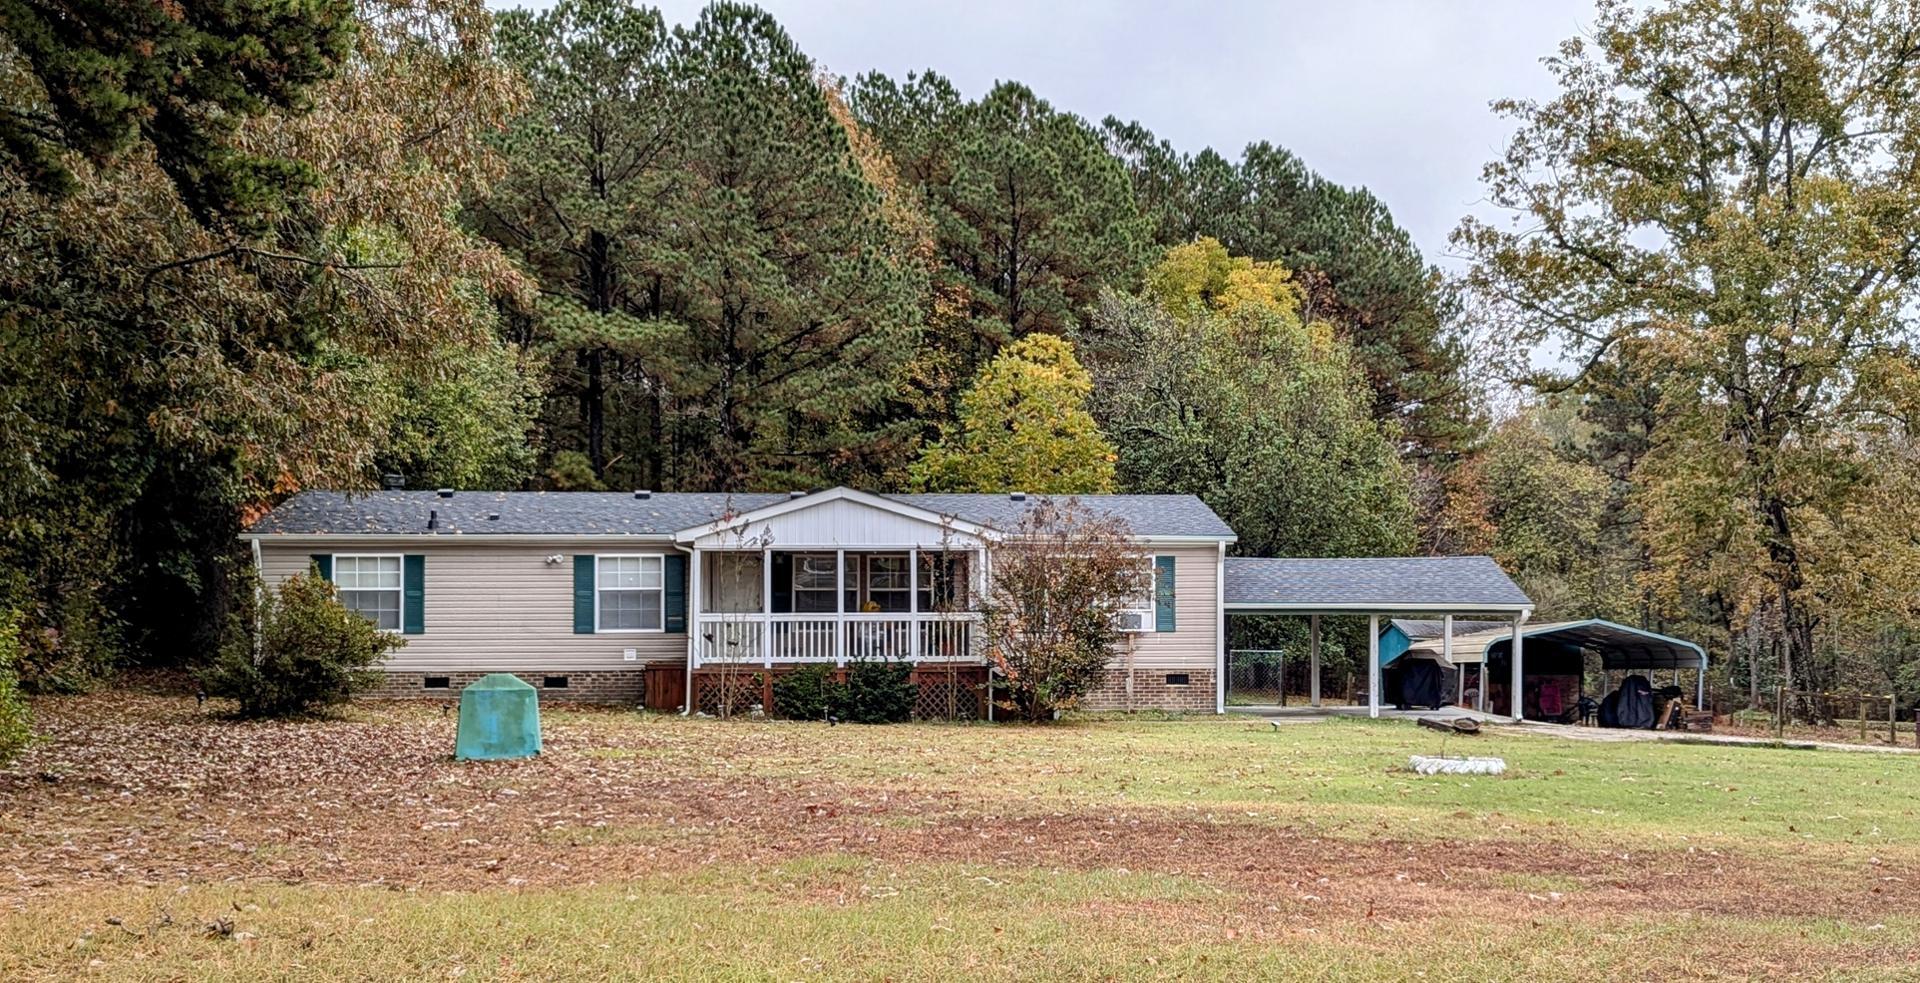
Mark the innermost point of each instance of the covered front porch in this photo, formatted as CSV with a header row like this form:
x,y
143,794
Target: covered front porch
x,y
772,607
833,579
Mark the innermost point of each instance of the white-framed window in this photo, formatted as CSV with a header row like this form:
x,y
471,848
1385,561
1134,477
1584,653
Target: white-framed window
x,y
814,583
630,592
370,585
889,582
1138,614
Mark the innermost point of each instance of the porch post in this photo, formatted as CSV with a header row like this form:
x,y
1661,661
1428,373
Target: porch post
x,y
840,608
1446,655
1373,665
1313,663
693,609
694,638
1515,702
766,607
913,604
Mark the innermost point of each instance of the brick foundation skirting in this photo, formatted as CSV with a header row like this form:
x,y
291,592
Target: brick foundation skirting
x,y
582,686
1153,690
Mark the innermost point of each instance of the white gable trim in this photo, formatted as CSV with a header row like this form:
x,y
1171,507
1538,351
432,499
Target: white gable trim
x,y
746,520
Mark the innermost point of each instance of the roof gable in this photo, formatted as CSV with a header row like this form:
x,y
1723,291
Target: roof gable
x,y
837,517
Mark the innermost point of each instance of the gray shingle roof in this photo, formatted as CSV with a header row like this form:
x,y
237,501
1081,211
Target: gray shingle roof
x,y
619,513
1410,583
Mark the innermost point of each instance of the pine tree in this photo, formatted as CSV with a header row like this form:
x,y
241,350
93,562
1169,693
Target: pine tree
x,y
179,78
584,207
778,263
724,293
1031,215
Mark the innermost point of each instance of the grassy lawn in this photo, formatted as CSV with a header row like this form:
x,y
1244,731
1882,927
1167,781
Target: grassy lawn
x,y
149,840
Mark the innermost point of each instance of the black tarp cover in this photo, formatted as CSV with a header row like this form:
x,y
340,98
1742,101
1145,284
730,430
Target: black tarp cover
x,y
1420,684
1630,706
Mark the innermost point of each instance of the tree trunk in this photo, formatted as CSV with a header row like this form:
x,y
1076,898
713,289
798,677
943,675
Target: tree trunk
x,y
594,402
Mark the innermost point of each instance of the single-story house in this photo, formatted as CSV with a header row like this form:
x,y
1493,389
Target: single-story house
x,y
676,598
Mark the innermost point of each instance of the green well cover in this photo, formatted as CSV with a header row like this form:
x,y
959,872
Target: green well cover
x,y
499,718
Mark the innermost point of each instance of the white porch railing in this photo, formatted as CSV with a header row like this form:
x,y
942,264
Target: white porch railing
x,y
781,639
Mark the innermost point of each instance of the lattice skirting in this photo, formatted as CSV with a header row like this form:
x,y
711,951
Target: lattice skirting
x,y
940,692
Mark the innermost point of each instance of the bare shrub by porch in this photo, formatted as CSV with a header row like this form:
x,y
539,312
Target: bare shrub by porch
x,y
1050,615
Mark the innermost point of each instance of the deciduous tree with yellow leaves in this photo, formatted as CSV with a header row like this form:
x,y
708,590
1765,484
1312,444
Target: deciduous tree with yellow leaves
x,y
1024,426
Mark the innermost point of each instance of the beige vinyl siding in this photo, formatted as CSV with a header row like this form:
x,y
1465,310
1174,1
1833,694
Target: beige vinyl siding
x,y
1194,642
493,606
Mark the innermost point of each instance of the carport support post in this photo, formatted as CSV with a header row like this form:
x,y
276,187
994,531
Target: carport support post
x,y
1514,701
1373,665
1446,655
1313,660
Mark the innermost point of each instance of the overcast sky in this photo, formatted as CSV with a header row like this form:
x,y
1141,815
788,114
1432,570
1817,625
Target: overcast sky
x,y
1390,94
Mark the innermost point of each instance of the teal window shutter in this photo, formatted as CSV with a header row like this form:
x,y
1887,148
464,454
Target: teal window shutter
x,y
323,562
413,600
583,594
676,581
1163,593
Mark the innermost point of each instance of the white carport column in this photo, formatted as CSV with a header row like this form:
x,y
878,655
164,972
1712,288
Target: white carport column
x,y
1446,655
1515,704
1373,665
1313,659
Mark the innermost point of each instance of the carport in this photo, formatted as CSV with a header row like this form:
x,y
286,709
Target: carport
x,y
1563,646
1443,587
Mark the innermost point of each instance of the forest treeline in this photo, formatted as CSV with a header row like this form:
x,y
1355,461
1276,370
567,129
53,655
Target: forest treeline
x,y
268,246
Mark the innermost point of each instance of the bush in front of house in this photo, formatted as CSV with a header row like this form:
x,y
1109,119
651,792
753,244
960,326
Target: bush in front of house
x,y
14,721
877,692
297,650
806,693
1060,581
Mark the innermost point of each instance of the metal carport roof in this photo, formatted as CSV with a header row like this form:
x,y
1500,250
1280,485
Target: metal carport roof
x,y
1620,646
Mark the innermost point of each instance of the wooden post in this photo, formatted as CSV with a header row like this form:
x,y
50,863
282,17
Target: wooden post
x,y
1373,665
1515,701
1313,662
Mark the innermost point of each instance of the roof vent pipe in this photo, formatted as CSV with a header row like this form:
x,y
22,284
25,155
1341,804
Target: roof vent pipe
x,y
433,518
1018,496
445,493
796,494
643,494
